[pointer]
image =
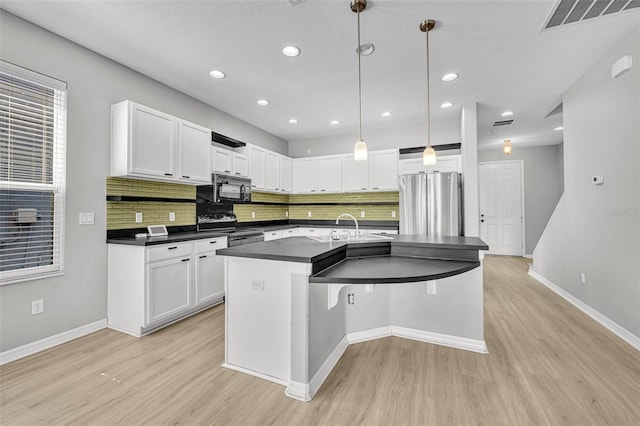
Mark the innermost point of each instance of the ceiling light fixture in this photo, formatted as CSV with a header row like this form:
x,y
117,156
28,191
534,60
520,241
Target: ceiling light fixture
x,y
360,148
334,122
559,128
386,114
506,114
449,77
293,121
506,147
429,154
262,102
446,105
217,74
291,51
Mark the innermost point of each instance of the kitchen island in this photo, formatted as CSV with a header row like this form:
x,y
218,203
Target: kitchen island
x,y
293,305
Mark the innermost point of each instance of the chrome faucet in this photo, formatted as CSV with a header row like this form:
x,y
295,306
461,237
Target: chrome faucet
x,y
353,218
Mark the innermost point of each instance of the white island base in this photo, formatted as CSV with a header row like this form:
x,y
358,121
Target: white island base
x,y
278,326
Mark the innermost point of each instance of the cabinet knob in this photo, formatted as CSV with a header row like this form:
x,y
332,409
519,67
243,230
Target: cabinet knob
x,y
364,189
227,171
172,248
186,177
186,260
168,174
213,242
203,256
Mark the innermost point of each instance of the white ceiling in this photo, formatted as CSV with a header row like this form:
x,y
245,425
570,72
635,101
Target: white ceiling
x,y
504,59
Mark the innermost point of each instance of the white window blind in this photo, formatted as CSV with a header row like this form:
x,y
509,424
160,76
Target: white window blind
x,y
32,174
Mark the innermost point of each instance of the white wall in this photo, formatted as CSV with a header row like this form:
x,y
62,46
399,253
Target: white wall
x,y
595,229
543,184
79,297
392,136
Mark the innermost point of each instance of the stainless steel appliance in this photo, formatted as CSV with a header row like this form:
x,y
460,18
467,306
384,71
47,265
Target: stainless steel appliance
x,y
225,189
225,223
430,204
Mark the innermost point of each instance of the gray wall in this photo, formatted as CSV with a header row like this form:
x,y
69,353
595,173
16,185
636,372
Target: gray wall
x,y
596,228
399,136
79,297
543,184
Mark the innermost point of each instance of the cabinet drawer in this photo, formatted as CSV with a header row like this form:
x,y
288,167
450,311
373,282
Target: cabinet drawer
x,y
211,244
167,251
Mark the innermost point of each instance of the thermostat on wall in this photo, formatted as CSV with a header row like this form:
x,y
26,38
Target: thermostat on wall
x,y
597,180
157,230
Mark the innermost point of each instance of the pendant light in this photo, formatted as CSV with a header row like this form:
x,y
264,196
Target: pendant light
x,y
429,154
506,148
360,148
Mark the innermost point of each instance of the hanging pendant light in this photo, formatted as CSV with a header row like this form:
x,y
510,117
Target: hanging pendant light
x,y
360,148
506,148
429,154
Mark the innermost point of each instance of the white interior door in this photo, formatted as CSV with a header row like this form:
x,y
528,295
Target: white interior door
x,y
501,207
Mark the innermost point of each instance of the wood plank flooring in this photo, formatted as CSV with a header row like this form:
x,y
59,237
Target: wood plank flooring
x,y
549,364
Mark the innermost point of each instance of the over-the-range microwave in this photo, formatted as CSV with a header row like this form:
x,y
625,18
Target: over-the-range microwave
x,y
225,189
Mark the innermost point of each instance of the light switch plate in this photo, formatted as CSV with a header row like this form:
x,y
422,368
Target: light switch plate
x,y
86,218
172,216
257,285
138,217
431,287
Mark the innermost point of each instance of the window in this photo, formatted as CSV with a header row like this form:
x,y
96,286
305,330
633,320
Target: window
x,y
32,174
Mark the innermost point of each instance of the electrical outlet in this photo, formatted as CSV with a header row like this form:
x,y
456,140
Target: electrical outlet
x,y
253,215
172,216
431,287
138,217
350,299
37,307
583,278
362,213
86,218
286,213
257,285
309,213
393,213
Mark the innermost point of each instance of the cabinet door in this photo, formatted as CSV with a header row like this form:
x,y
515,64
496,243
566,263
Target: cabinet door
x,y
193,153
355,174
240,165
222,160
383,170
168,289
272,171
285,174
411,166
330,174
209,277
153,142
257,158
445,164
272,235
305,175
293,232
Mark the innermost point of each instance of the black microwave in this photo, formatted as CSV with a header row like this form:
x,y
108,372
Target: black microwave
x,y
225,189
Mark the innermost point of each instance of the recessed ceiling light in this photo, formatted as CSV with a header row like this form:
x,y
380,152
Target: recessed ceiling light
x,y
291,51
366,49
449,77
334,122
559,128
293,121
217,74
386,114
507,113
446,105
262,102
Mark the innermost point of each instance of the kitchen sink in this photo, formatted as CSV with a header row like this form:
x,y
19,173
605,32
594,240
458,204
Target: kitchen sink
x,y
350,238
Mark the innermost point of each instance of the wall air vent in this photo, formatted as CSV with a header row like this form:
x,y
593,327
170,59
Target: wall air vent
x,y
502,123
570,11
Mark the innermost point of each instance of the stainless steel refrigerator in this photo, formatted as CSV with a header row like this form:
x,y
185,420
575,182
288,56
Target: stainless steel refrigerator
x,y
430,204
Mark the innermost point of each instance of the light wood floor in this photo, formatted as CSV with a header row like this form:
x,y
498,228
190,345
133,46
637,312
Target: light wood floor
x,y
549,364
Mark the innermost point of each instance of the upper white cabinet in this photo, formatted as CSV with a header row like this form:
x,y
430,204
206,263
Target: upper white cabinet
x,y
257,167
330,173
272,171
285,174
150,144
240,164
449,163
355,174
383,170
229,162
305,175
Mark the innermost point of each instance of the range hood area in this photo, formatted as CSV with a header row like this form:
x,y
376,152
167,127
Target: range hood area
x,y
226,140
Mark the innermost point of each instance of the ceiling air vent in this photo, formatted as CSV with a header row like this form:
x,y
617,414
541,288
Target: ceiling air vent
x,y
502,123
570,11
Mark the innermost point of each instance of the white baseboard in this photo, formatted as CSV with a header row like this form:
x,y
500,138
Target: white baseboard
x,y
327,366
528,256
51,341
256,374
421,336
610,325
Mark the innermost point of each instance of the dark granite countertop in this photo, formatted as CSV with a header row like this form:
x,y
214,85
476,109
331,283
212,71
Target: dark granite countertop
x,y
171,238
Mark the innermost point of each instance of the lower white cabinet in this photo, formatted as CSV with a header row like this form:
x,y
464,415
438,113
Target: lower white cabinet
x,y
149,287
272,235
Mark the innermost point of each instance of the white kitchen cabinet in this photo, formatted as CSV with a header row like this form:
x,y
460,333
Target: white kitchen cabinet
x,y
240,164
285,174
272,171
209,273
355,174
193,148
272,235
305,175
383,170
449,163
149,144
330,174
291,232
149,287
257,167
228,162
